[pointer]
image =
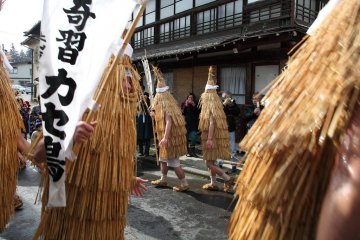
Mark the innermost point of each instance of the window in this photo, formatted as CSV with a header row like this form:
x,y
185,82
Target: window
x,y
230,14
144,38
165,32
306,10
206,21
166,8
265,13
15,70
140,23
254,1
182,27
233,80
150,12
202,2
183,5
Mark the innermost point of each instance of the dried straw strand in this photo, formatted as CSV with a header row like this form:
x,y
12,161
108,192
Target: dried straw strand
x,y
98,182
10,122
291,147
165,103
211,105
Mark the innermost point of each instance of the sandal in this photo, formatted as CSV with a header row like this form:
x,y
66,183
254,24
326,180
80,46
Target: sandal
x,y
159,183
181,188
18,203
210,187
228,184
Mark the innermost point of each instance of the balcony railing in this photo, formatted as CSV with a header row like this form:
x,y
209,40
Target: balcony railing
x,y
267,15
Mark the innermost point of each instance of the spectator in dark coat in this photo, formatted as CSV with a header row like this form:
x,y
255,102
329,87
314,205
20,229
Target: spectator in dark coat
x,y
232,111
253,112
190,111
144,128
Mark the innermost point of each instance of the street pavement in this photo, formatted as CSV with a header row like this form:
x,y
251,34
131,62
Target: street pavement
x,y
160,214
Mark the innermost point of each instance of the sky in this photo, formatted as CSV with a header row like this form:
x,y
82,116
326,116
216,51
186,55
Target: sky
x,y
17,17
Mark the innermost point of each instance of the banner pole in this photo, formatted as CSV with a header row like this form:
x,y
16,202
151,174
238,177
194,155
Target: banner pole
x,y
105,77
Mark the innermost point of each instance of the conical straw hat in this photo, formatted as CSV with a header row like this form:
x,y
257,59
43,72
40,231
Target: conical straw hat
x,y
159,77
212,76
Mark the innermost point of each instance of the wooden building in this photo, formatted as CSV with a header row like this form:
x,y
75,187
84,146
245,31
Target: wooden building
x,y
247,40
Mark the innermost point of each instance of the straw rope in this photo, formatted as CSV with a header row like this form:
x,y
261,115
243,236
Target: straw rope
x,y
292,146
10,122
99,181
211,105
165,103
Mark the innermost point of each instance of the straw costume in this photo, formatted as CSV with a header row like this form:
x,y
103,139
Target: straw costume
x,y
98,182
292,146
167,109
212,113
11,123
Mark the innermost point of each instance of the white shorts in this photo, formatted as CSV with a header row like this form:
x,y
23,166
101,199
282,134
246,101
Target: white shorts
x,y
171,162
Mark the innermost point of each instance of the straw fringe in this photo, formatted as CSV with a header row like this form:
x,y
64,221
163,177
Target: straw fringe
x,y
292,146
165,103
10,122
211,105
99,181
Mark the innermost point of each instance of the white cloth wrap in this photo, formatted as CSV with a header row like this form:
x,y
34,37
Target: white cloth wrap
x,y
211,87
93,106
162,90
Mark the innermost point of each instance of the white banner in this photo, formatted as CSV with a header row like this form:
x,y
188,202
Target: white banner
x,y
148,75
77,40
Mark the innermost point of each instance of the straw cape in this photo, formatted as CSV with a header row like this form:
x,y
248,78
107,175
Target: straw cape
x,y
164,103
99,181
211,105
292,146
10,124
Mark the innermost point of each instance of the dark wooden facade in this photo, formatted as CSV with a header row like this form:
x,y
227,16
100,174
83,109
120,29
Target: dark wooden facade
x,y
246,37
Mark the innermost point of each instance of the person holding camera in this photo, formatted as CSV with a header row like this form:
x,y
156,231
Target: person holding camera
x,y
231,111
190,112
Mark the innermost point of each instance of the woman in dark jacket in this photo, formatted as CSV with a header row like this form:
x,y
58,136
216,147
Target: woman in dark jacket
x,y
190,111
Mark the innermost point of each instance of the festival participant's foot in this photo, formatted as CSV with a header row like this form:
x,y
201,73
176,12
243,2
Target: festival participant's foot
x,y
159,183
18,203
210,187
228,184
181,188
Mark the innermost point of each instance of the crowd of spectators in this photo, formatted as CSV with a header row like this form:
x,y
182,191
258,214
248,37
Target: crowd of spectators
x,y
240,118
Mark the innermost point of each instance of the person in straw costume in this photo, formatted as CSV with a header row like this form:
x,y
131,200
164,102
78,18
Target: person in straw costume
x,y
295,143
99,181
171,133
214,133
11,143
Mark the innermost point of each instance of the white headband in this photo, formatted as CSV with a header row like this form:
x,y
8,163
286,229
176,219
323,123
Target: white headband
x,y
129,50
162,90
211,87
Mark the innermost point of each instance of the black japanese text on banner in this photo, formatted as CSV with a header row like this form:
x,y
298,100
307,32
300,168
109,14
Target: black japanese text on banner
x,y
77,40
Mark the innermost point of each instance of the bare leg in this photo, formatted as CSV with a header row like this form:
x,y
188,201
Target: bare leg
x,y
164,168
162,182
214,169
179,172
